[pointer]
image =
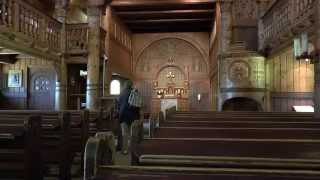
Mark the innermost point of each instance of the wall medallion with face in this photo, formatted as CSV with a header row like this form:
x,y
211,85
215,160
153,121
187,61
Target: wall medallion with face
x,y
239,71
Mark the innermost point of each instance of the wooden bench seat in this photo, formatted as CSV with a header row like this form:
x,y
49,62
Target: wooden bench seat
x,y
242,124
274,151
20,148
63,135
246,133
188,173
244,118
99,167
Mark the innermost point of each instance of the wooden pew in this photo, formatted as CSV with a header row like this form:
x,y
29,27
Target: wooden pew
x,y
99,167
20,147
244,118
246,133
214,114
242,124
64,135
228,152
191,173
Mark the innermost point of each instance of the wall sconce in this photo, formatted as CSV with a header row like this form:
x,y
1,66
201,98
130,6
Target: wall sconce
x,y
199,97
303,50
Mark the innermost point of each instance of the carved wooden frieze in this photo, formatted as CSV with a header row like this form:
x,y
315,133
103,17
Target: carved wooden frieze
x,y
244,10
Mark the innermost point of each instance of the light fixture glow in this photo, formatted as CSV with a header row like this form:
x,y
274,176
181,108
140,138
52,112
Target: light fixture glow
x,y
303,108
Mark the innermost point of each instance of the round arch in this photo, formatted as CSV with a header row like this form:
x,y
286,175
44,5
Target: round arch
x,y
155,41
241,104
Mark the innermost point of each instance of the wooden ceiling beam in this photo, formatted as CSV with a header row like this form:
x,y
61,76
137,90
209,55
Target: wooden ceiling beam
x,y
168,21
172,28
116,3
8,58
169,14
158,30
196,11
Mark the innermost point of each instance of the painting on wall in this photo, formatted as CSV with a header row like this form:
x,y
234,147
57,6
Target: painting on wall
x,y
15,78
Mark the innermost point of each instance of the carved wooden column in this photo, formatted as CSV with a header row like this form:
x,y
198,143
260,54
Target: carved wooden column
x,y
93,67
62,74
262,7
226,24
224,9
317,61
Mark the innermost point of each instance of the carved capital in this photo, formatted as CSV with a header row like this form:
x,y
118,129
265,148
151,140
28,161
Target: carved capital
x,y
96,3
94,11
225,6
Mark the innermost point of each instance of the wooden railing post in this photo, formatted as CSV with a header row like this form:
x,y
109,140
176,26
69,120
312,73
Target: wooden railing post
x,y
16,17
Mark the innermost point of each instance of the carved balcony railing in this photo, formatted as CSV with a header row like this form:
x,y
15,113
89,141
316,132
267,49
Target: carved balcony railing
x,y
77,38
283,20
24,22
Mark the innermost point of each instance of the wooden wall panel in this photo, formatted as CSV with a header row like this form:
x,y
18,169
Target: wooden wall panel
x,y
16,98
290,81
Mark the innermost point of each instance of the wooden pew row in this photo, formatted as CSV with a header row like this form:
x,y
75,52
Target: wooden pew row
x,y
64,135
244,124
229,152
246,133
20,149
56,147
191,173
244,118
199,113
208,115
98,166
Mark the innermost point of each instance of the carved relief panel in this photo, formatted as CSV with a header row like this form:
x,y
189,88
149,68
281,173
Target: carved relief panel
x,y
244,10
170,51
171,64
243,72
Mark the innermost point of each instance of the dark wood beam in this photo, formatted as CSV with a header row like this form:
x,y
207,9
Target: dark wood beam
x,y
168,21
8,58
158,5
172,28
169,14
158,2
164,30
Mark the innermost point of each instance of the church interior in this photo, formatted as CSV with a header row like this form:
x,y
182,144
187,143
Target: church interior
x,y
230,89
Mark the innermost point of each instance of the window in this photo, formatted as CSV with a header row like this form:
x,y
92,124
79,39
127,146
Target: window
x,y
115,87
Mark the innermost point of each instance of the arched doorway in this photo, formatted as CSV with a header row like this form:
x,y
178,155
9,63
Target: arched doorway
x,y
241,104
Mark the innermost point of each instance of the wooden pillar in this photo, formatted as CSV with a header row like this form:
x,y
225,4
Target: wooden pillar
x,y
226,25
94,19
62,74
317,60
224,8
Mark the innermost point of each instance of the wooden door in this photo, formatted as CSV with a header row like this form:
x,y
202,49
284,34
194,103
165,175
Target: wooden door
x,y
41,89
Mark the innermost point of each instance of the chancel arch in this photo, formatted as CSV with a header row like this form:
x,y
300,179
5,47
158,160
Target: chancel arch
x,y
170,65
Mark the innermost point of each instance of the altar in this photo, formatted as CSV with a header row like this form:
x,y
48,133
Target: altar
x,y
170,88
181,104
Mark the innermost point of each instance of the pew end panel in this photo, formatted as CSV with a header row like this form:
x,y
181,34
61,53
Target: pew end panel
x,y
97,153
136,138
19,152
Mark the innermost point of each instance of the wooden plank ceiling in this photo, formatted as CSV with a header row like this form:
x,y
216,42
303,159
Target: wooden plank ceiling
x,y
142,16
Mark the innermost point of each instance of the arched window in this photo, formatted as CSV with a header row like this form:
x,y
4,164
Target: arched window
x,y
115,87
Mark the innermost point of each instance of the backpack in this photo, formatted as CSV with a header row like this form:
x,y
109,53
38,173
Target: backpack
x,y
135,98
